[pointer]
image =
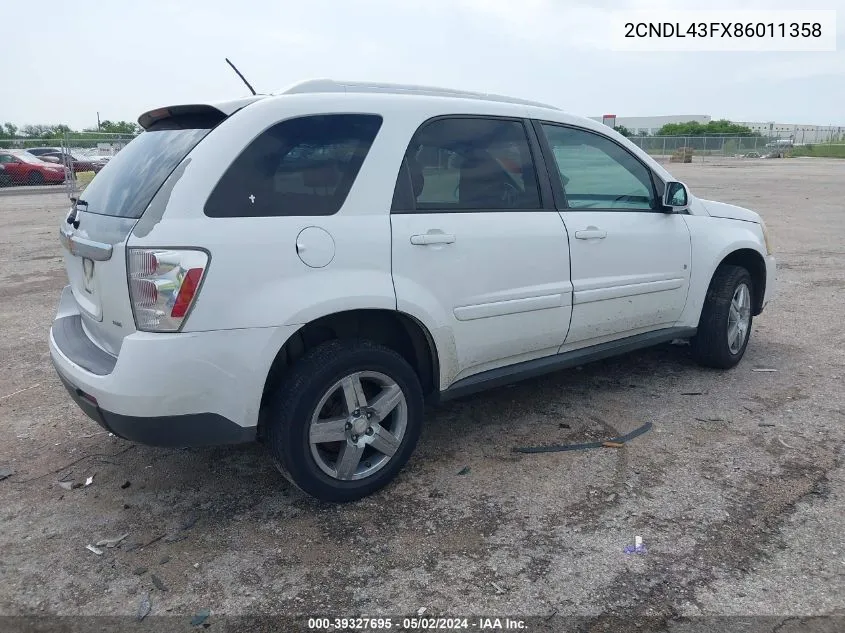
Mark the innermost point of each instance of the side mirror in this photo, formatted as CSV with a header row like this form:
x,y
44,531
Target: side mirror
x,y
675,197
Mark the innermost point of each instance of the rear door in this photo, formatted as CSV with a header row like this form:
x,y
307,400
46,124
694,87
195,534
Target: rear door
x,y
94,235
474,245
630,260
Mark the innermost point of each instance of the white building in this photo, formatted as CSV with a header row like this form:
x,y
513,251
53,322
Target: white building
x,y
797,132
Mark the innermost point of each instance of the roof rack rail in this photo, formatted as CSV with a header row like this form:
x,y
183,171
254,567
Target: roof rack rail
x,y
330,85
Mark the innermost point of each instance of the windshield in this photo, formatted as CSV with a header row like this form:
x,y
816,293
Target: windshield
x,y
128,182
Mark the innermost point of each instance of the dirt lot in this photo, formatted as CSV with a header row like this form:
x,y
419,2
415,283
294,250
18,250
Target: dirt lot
x,y
738,491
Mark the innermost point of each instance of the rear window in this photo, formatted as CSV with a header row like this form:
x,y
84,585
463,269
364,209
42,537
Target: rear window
x,y
299,167
128,182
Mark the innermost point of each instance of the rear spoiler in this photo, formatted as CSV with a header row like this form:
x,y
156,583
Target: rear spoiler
x,y
219,110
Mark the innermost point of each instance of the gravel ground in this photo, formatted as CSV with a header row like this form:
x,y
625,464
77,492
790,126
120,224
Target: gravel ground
x,y
738,492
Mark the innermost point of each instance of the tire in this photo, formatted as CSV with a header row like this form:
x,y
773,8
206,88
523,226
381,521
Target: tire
x,y
711,346
35,178
321,384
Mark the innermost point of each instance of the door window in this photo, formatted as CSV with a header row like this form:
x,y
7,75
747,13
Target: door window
x,y
465,164
596,173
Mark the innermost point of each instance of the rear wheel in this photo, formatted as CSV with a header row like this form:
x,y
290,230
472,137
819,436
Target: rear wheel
x,y
35,178
725,324
345,420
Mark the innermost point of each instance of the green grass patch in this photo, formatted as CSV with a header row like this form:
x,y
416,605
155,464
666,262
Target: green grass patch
x,y
84,177
826,150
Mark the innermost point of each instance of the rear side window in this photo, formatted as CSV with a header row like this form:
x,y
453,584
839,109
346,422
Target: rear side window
x,y
299,167
127,184
467,163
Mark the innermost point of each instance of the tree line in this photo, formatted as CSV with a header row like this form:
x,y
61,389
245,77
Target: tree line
x,y
10,130
721,127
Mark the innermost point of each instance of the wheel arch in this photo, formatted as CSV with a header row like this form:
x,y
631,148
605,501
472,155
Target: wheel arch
x,y
754,263
399,331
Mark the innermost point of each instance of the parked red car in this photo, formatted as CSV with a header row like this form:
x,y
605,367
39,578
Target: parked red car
x,y
25,169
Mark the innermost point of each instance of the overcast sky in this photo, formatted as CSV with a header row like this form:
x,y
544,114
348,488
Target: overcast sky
x,y
65,61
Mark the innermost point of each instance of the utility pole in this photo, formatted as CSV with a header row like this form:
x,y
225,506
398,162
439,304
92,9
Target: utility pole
x,y
98,121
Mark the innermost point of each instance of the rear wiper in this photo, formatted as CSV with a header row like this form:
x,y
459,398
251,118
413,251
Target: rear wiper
x,y
72,219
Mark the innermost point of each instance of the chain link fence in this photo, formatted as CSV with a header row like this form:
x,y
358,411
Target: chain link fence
x,y
693,149
67,161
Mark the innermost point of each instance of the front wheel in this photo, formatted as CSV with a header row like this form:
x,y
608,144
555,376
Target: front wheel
x,y
725,324
345,420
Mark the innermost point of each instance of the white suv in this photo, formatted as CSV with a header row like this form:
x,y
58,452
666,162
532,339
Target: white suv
x,y
306,268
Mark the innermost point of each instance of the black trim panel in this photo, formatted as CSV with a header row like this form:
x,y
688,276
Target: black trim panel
x,y
532,368
71,339
174,431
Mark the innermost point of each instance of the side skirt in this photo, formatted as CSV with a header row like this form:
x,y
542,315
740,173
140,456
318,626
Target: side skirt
x,y
548,364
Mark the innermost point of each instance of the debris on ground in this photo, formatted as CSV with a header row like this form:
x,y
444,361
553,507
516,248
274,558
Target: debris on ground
x,y
421,610
140,571
125,485
611,443
174,538
763,369
710,419
785,445
112,542
164,559
637,547
6,472
692,393
464,471
200,618
157,582
144,607
563,425
765,424
89,481
150,542
14,393
190,522
497,587
93,549
67,485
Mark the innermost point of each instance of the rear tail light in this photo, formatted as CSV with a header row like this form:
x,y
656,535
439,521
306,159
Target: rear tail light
x,y
163,285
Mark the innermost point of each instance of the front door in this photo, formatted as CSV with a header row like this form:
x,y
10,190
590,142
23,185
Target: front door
x,y
630,260
475,251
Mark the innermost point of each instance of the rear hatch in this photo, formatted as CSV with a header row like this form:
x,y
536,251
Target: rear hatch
x,y
95,232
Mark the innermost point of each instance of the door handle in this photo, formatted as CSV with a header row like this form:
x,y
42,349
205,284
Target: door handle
x,y
590,233
432,238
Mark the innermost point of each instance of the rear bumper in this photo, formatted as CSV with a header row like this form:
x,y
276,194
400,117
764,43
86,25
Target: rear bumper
x,y
201,429
186,389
